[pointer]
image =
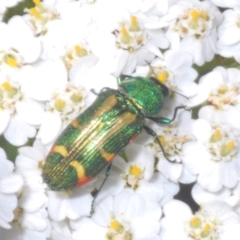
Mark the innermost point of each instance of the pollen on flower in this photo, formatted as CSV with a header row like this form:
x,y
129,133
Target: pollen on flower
x,y
224,95
67,103
163,76
227,149
161,139
206,230
73,53
125,37
33,11
6,86
10,60
217,136
195,222
118,231
77,97
195,14
223,89
10,94
130,35
80,51
193,22
60,104
37,2
200,227
41,14
135,170
114,224
204,15
134,27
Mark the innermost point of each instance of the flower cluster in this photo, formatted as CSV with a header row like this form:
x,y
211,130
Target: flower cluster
x,y
59,51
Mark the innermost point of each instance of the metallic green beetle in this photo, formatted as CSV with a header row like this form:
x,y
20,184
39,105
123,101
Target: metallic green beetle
x,y
93,139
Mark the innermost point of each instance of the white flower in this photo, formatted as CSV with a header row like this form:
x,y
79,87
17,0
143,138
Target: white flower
x,y
215,220
128,38
140,165
214,157
201,195
29,163
114,183
28,225
234,199
31,215
220,89
72,204
61,231
126,216
18,112
39,16
148,7
62,107
228,31
226,3
172,137
192,28
10,183
93,75
18,46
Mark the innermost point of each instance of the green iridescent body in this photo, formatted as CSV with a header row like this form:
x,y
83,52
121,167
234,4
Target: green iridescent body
x,y
92,140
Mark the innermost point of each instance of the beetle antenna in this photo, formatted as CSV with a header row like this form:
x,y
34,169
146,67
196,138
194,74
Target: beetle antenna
x,y
152,71
180,94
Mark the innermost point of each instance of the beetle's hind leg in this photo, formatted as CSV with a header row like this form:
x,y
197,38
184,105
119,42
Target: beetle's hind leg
x,y
95,194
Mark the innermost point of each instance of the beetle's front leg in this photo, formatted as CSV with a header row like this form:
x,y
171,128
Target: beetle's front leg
x,y
167,120
102,90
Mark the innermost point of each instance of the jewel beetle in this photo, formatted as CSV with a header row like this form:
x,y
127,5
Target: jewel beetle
x,y
91,141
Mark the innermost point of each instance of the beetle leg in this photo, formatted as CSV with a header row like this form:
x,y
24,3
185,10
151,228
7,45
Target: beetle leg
x,y
167,120
152,133
95,194
121,78
102,90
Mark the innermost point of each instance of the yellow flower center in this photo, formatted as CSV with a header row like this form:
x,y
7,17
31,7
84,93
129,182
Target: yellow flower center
x,y
114,224
217,135
223,89
135,170
11,91
125,37
163,76
195,222
195,14
10,60
161,139
134,27
34,12
80,51
60,105
226,149
206,230
37,3
76,97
